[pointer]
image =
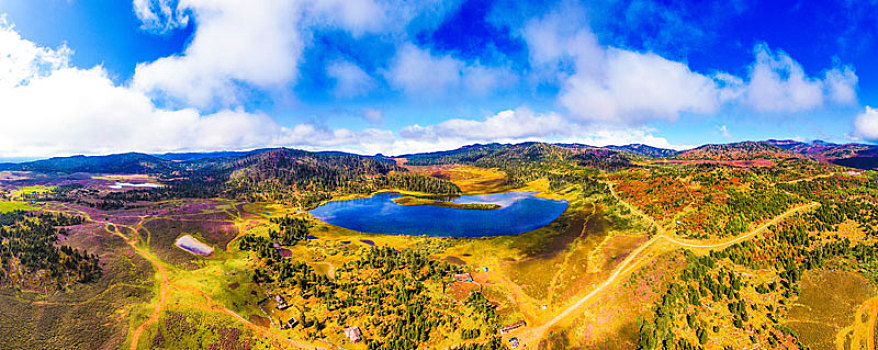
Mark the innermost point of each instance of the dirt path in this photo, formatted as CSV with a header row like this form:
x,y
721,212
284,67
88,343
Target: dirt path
x,y
863,333
550,295
534,334
210,305
160,270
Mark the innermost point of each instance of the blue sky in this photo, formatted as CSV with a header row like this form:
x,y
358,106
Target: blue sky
x,y
369,76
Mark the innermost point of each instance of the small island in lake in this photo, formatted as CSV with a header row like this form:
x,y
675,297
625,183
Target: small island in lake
x,y
413,201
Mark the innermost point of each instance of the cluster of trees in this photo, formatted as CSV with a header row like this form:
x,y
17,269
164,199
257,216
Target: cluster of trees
x,y
841,199
790,249
262,246
495,343
415,183
384,290
291,230
420,267
30,239
483,309
762,203
702,278
587,181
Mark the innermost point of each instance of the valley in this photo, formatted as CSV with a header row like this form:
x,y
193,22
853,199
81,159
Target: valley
x,y
533,245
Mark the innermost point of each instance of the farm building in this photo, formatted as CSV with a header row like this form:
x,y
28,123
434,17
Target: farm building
x,y
513,343
463,277
292,322
281,302
353,333
516,325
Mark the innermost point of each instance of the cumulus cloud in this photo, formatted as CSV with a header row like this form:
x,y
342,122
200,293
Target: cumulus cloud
x,y
777,83
511,124
350,79
635,87
240,45
841,84
419,72
618,85
21,60
356,15
611,84
866,124
50,108
160,16
255,43
519,125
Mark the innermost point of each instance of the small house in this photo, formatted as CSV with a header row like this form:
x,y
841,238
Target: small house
x,y
292,322
353,333
281,302
516,325
463,277
513,343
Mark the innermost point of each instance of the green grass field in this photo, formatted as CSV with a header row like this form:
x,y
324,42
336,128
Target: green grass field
x,y
6,207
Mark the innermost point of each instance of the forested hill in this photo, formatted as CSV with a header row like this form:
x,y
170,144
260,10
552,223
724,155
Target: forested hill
x,y
738,151
126,163
175,164
644,150
852,155
464,155
502,155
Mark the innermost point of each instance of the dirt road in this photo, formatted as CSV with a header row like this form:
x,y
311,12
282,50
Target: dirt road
x,y
534,334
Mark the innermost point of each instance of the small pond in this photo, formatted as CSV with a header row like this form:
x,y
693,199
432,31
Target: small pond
x,y
520,212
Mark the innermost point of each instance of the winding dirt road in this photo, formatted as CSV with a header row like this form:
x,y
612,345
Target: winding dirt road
x,y
534,334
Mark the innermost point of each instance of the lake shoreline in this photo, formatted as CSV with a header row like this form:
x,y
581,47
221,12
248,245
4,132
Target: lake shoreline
x,y
382,213
415,201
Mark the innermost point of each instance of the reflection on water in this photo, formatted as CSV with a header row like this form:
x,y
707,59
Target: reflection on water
x,y
520,212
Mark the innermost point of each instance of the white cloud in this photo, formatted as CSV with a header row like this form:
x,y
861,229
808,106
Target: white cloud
x,y
520,125
21,60
250,42
610,84
511,124
73,111
159,16
866,124
561,39
240,45
618,85
841,84
779,84
482,81
723,131
357,15
350,79
373,115
418,72
635,87
48,108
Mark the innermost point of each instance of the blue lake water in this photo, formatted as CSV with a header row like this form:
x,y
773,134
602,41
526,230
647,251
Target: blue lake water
x,y
521,212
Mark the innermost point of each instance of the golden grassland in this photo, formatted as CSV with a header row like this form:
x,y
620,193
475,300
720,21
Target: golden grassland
x,y
22,192
470,179
8,206
197,302
207,286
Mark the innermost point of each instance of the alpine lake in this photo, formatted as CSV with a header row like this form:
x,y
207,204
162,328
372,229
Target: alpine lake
x,y
499,214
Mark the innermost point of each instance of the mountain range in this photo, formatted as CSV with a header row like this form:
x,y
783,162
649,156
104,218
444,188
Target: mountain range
x,y
853,155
